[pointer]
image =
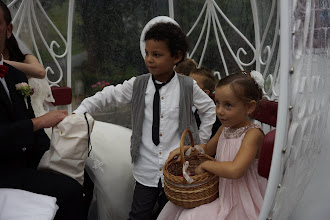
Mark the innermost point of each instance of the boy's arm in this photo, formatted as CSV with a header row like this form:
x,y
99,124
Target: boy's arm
x,y
109,96
206,112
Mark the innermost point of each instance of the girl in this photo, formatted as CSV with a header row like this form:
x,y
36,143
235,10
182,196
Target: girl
x,y
236,144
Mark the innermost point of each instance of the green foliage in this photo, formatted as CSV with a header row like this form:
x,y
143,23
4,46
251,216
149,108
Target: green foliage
x,y
59,18
108,73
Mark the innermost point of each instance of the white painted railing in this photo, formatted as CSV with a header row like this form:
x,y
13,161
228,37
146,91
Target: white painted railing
x,y
27,16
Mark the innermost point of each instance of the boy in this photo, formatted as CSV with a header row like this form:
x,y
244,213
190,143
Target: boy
x,y
206,81
156,128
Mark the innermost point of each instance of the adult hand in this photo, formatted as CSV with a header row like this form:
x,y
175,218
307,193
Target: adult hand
x,y
48,120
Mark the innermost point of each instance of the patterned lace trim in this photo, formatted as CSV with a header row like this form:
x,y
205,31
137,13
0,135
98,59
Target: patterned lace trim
x,y
231,133
97,164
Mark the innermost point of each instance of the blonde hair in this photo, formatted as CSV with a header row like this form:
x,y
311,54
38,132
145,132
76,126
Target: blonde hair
x,y
209,79
186,66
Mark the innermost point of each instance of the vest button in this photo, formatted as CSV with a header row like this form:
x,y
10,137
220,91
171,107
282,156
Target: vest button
x,y
160,135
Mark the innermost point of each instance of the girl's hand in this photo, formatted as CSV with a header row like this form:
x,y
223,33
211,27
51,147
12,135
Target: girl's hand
x,y
199,169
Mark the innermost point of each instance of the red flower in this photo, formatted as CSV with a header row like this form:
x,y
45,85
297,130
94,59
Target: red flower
x,y
3,70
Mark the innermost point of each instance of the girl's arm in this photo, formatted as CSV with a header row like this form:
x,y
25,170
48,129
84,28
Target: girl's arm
x,y
30,66
211,147
236,168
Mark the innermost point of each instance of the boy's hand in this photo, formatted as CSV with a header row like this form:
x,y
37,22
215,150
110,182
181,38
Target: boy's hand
x,y
174,154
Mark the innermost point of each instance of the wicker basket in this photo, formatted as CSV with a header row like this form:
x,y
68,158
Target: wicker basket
x,y
205,187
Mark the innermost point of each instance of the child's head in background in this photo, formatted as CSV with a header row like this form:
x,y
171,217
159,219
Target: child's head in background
x,y
186,66
205,79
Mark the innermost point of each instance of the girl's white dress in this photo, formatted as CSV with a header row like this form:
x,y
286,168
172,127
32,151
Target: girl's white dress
x,y
238,198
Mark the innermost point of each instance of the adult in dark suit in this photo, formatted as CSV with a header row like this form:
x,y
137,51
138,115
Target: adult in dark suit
x,y
23,142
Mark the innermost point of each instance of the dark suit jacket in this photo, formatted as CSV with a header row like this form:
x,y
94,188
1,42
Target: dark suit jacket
x,y
19,145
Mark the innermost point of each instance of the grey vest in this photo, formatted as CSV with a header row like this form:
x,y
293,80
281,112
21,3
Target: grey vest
x,y
186,116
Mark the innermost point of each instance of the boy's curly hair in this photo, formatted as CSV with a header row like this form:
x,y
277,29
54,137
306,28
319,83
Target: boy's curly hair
x,y
170,33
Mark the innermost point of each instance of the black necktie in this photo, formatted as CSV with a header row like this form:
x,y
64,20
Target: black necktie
x,y
155,117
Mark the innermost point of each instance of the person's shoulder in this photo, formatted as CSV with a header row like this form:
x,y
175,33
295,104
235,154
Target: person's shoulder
x,y
187,79
255,130
140,81
141,78
183,76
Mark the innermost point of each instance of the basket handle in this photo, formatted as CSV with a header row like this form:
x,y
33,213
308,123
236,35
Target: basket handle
x,y
182,143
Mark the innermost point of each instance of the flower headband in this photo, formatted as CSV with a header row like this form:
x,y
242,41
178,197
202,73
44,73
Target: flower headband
x,y
258,78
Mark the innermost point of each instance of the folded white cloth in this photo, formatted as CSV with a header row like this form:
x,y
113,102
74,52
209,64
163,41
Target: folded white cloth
x,y
16,204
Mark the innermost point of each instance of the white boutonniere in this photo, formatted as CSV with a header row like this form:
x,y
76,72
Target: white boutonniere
x,y
25,91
